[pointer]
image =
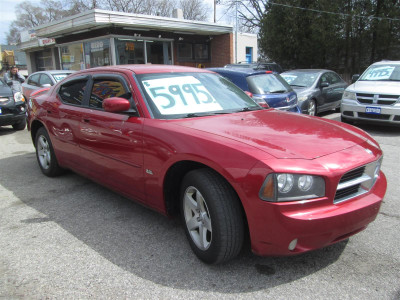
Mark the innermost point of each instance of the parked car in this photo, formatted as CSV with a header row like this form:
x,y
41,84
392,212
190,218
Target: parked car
x,y
186,141
317,90
12,107
267,66
43,79
265,87
375,96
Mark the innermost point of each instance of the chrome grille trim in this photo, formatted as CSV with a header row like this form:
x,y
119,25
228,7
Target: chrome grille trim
x,y
357,181
379,100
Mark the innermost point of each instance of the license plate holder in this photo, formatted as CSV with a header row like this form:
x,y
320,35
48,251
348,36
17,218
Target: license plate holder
x,y
373,110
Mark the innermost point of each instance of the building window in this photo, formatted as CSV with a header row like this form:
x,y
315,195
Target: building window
x,y
200,51
72,57
44,60
129,51
193,52
185,51
97,53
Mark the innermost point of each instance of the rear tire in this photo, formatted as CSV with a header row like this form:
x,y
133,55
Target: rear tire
x,y
45,154
212,216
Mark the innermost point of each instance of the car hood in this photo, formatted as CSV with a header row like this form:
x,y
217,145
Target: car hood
x,y
375,87
5,91
280,134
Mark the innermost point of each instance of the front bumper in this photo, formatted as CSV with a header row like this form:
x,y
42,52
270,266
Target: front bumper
x,y
355,111
11,115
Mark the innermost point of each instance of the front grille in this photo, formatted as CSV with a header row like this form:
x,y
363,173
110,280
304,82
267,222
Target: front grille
x,y
357,182
373,116
377,99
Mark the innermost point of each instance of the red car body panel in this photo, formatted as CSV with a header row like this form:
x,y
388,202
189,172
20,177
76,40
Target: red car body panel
x,y
132,155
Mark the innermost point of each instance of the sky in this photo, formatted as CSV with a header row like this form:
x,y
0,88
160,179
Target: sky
x,y
7,15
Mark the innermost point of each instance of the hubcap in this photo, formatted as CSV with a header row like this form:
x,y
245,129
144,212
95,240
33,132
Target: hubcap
x,y
43,150
197,218
311,108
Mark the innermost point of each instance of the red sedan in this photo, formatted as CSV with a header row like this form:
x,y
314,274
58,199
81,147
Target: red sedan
x,y
188,142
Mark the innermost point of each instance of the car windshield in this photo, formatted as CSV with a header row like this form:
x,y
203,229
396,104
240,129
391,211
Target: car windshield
x,y
59,77
382,73
300,79
267,84
180,95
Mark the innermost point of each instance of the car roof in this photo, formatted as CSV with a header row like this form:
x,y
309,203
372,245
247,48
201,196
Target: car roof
x,y
54,72
309,70
145,69
239,71
385,62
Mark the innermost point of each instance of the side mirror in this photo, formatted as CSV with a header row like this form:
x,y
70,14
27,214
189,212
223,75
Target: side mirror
x,y
354,78
116,104
324,84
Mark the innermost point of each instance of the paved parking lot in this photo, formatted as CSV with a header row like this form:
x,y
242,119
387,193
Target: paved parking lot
x,y
68,237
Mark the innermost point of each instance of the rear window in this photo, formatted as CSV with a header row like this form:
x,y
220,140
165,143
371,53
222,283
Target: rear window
x,y
59,77
268,84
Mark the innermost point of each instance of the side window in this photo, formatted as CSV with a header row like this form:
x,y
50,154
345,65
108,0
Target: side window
x,y
324,78
34,80
72,92
45,79
334,78
106,88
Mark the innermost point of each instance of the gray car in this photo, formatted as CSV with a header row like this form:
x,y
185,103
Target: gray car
x,y
43,79
317,90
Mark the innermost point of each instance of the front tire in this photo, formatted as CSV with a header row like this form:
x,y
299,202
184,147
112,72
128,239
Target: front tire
x,y
311,108
212,216
45,154
20,125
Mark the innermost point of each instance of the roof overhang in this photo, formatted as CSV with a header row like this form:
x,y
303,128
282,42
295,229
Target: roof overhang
x,y
95,19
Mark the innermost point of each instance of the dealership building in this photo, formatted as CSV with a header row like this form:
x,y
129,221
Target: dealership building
x,y
99,38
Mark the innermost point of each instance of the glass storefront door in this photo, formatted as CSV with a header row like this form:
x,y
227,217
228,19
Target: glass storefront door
x,y
158,52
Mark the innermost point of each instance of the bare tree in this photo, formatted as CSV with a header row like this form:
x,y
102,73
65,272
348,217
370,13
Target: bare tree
x,y
195,9
249,12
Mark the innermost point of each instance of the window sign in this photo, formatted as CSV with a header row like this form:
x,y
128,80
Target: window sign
x,y
380,73
180,95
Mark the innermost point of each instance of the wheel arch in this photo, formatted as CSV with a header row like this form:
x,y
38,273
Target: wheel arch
x,y
35,126
173,180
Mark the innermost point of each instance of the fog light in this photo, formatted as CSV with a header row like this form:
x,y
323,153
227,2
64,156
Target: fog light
x,y
292,245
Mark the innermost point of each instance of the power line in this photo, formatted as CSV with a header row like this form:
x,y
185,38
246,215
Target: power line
x,y
333,13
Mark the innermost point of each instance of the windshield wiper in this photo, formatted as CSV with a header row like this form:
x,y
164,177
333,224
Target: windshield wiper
x,y
248,109
192,115
298,85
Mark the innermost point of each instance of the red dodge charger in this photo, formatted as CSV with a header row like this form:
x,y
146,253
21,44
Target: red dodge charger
x,y
186,141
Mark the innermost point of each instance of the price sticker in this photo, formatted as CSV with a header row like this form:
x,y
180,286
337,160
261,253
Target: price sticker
x,y
381,73
180,95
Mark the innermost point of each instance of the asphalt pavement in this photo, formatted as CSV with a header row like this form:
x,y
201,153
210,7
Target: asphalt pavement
x,y
69,238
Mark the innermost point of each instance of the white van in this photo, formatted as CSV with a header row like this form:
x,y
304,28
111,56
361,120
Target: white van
x,y
375,96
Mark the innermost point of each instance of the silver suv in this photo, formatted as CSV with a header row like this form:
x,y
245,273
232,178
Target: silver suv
x,y
375,96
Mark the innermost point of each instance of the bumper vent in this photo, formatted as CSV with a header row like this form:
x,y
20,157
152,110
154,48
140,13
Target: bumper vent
x,y
357,182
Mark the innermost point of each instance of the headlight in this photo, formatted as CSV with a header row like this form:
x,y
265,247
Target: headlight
x,y
18,97
349,95
280,187
302,98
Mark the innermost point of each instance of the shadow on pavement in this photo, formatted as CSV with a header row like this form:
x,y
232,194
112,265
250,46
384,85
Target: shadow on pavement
x,y
144,242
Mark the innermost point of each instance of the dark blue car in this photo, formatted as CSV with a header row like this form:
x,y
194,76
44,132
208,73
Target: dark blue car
x,y
265,87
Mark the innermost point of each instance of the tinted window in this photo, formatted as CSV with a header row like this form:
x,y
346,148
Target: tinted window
x,y
45,79
72,92
106,88
267,83
34,80
300,79
334,78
